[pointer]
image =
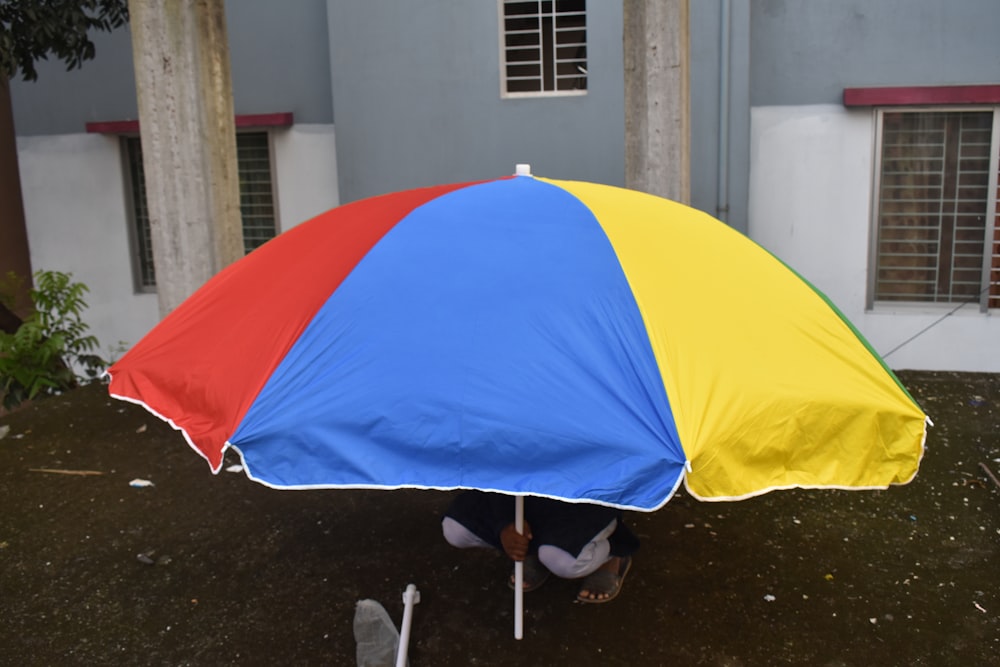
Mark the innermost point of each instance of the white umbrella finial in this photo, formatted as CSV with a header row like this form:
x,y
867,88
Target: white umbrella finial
x,y
522,169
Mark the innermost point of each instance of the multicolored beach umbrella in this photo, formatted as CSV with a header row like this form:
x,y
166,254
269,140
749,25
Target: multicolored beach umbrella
x,y
527,336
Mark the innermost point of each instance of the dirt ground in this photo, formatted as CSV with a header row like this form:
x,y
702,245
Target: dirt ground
x,y
217,570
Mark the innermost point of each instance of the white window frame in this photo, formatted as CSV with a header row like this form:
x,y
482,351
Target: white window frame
x,y
552,60
991,249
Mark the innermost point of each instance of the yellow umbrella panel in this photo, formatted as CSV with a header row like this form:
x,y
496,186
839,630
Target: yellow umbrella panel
x,y
770,386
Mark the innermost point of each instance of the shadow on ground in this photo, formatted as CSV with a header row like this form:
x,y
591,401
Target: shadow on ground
x,y
217,570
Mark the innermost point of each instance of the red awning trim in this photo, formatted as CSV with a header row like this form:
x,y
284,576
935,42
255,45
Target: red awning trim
x,y
914,95
265,120
283,119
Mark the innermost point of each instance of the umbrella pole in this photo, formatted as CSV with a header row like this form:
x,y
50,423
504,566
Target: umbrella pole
x,y
519,572
411,596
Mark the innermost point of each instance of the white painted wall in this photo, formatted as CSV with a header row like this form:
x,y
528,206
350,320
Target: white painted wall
x,y
305,161
75,207
810,204
77,216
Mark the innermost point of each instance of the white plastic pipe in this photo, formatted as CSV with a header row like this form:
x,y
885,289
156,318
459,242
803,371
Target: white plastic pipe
x,y
519,572
411,596
725,82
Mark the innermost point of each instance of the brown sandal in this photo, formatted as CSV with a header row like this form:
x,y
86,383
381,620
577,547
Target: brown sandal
x,y
604,582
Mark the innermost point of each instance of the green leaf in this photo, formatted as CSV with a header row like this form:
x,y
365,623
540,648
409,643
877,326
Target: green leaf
x,y
50,351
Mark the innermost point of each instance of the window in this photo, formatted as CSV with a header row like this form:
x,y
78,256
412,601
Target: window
x,y
937,229
142,241
543,47
253,157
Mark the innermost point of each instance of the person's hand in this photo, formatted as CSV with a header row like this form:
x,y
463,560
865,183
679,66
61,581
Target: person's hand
x,y
514,543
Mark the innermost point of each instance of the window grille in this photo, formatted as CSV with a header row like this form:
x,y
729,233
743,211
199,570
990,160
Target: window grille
x,y
253,162
253,157
140,215
937,232
544,47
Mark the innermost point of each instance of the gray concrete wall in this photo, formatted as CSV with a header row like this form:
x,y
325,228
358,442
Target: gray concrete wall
x,y
279,61
62,102
808,51
280,58
417,99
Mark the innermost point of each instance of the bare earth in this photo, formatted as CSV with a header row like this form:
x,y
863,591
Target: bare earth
x,y
217,570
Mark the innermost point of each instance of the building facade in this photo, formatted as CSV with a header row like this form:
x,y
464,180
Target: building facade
x,y
857,140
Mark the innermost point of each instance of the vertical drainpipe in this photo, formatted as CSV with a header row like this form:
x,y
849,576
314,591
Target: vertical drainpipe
x,y
722,184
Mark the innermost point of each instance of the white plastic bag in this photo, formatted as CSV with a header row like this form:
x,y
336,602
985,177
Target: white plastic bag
x,y
376,635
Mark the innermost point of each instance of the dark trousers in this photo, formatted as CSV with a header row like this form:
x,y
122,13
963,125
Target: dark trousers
x,y
568,526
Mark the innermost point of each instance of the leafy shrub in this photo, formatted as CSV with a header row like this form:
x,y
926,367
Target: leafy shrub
x,y
51,351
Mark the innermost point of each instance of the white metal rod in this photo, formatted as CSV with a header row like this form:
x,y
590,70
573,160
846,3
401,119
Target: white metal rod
x,y
519,572
411,596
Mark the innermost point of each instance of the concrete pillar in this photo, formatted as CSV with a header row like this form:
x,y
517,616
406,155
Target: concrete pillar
x,y
188,131
657,107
